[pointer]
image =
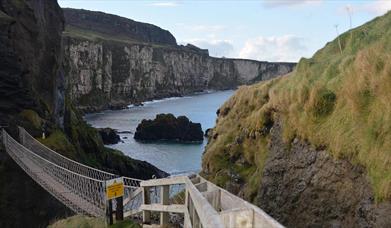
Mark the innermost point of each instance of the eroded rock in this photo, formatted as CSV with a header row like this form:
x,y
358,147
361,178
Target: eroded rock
x,y
109,136
306,187
169,128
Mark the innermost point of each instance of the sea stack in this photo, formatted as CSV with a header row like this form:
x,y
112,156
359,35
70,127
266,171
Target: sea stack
x,y
166,127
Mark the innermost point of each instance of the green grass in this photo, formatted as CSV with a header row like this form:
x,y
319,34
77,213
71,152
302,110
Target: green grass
x,y
85,34
75,32
338,101
58,142
79,221
32,117
125,224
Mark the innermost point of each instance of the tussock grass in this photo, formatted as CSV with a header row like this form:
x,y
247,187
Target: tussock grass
x,y
333,100
58,142
32,117
79,221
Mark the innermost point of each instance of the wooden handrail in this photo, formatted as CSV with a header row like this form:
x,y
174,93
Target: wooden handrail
x,y
164,181
207,214
206,204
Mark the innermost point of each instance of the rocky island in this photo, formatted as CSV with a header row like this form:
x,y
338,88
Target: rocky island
x,y
166,127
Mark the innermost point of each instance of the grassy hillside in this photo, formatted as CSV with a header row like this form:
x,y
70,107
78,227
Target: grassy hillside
x,y
338,101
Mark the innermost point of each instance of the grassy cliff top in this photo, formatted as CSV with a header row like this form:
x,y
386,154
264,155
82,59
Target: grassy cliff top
x,y
72,31
335,100
114,25
94,36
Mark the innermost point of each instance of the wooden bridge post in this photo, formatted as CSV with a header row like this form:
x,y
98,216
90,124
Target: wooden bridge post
x,y
146,200
119,211
165,197
187,221
109,212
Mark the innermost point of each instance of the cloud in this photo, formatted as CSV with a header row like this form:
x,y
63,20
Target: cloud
x,y
287,48
282,3
218,48
376,7
164,4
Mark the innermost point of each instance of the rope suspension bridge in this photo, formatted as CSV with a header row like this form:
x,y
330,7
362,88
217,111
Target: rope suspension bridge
x,y
83,189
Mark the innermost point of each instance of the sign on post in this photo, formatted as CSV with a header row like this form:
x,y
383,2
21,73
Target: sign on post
x,y
114,188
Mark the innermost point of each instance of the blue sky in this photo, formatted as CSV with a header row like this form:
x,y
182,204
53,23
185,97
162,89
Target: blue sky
x,y
269,30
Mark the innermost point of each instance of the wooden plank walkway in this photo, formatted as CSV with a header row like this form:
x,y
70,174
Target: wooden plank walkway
x,y
78,203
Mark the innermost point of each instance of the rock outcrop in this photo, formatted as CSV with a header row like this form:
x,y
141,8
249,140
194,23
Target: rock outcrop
x,y
31,78
167,127
109,136
32,94
107,70
303,186
31,75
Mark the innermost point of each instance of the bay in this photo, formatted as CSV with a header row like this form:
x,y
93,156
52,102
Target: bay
x,y
170,157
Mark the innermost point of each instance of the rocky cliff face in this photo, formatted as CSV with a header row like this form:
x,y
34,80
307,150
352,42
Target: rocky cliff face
x,y
296,182
30,67
32,88
31,79
104,74
113,71
303,186
312,148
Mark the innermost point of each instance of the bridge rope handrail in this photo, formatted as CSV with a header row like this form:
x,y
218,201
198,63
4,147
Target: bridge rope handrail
x,y
13,141
80,193
53,174
202,203
54,164
39,148
36,146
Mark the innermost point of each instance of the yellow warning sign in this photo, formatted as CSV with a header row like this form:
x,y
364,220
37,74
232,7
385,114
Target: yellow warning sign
x,y
114,188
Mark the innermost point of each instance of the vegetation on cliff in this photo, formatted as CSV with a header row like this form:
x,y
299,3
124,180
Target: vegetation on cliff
x,y
338,100
113,25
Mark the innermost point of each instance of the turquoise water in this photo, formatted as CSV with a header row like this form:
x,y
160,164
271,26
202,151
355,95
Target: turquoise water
x,y
166,156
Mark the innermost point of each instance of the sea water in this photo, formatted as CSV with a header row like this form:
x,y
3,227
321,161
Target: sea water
x,y
170,157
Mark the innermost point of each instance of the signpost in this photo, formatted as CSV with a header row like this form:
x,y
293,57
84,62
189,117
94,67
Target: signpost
x,y
115,190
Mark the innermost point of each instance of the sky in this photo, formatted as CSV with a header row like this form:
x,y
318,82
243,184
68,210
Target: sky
x,y
265,30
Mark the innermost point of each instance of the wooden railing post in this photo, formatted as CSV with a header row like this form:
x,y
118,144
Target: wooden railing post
x,y
146,200
187,223
164,195
119,211
109,212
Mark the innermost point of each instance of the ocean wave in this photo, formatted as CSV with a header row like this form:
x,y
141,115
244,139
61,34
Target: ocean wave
x,y
146,103
151,102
